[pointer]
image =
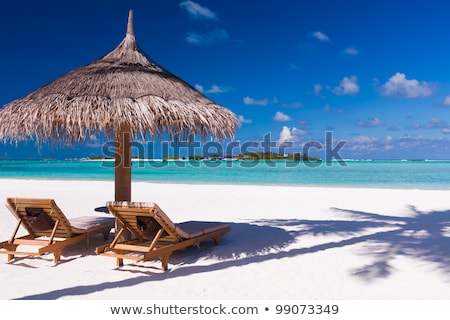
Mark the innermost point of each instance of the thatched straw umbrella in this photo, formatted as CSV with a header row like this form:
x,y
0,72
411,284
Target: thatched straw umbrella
x,y
123,95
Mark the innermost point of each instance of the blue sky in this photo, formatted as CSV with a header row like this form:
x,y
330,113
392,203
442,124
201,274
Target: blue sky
x,y
375,73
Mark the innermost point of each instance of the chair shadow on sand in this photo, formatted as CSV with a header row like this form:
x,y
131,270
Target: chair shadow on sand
x,y
421,235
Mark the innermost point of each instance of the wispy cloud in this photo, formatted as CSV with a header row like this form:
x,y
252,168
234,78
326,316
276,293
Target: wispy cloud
x,y
255,102
93,142
320,36
293,66
317,89
217,89
197,11
446,102
294,105
347,86
399,86
281,117
328,108
261,102
396,147
434,123
370,123
306,48
214,36
214,89
366,143
351,51
243,120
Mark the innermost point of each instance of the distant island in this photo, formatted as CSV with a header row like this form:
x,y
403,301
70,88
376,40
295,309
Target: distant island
x,y
253,156
250,156
276,156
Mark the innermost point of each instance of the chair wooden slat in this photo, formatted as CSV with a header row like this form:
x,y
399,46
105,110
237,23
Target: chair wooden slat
x,y
169,238
52,240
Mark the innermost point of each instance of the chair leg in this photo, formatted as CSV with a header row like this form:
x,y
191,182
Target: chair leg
x,y
57,256
217,240
165,262
10,247
119,262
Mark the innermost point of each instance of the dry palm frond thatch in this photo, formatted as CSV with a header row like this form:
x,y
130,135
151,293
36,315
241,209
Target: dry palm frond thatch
x,y
124,89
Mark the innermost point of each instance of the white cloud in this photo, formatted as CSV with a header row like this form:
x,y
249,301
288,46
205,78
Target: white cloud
x,y
371,123
281,117
285,135
214,89
243,120
434,123
347,86
298,132
200,88
403,147
320,36
351,51
318,88
217,89
399,86
294,105
215,36
196,11
251,101
93,142
364,143
328,108
446,102
364,139
262,102
290,135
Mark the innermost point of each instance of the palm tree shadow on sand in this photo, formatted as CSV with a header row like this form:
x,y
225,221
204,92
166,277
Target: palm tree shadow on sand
x,y
422,235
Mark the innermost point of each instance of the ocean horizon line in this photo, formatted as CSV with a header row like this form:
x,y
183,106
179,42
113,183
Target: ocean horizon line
x,y
228,159
397,174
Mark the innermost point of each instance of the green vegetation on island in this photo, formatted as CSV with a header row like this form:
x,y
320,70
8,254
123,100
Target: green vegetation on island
x,y
253,156
297,156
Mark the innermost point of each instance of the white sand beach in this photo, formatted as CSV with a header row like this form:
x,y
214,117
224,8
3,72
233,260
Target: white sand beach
x,y
285,243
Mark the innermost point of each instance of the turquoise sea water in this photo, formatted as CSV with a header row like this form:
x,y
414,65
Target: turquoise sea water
x,y
379,174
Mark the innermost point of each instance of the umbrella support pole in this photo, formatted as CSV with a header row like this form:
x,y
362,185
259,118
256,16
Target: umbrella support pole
x,y
122,171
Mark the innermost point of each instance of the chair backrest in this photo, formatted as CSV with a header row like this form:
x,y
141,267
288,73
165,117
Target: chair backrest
x,y
134,216
22,207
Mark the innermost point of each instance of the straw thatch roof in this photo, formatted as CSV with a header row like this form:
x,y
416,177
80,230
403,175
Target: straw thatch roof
x,y
124,88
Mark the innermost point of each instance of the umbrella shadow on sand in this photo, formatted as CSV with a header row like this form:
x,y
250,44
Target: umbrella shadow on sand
x,y
423,236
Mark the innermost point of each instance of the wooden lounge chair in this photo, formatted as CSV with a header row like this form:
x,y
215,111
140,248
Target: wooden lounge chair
x,y
156,236
48,228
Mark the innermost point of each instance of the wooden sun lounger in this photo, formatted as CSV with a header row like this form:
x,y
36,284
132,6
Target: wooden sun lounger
x,y
48,228
156,236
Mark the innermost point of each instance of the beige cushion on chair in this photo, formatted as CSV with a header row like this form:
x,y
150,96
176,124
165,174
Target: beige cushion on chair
x,y
192,229
90,223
